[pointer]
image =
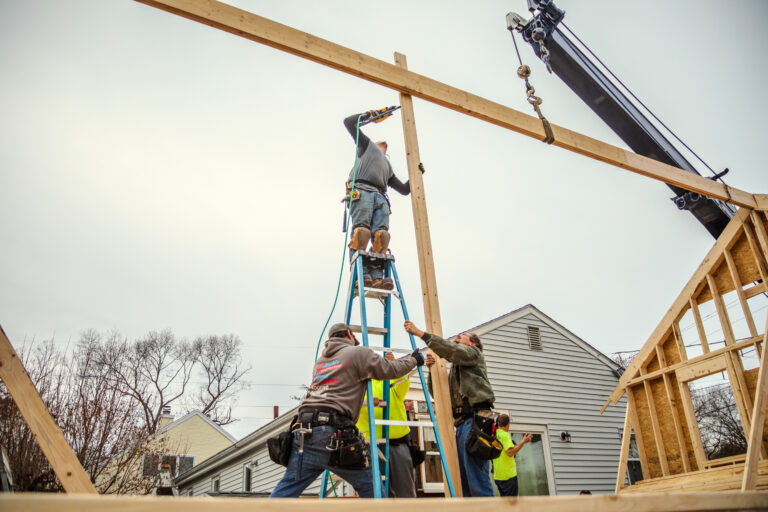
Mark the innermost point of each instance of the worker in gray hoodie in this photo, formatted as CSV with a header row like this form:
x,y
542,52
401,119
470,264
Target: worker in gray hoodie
x,y
324,434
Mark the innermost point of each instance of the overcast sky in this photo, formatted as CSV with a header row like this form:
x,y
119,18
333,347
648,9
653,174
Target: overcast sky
x,y
157,173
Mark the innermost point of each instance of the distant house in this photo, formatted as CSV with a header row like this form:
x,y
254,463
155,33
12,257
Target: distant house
x,y
551,382
192,439
178,444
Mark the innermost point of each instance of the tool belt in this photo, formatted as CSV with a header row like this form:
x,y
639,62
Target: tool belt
x,y
359,181
481,440
311,417
468,410
346,446
406,439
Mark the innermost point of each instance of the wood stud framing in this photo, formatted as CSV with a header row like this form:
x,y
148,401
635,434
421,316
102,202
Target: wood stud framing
x,y
737,260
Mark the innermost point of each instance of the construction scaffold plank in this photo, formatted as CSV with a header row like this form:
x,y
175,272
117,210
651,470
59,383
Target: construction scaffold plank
x,y
701,502
282,37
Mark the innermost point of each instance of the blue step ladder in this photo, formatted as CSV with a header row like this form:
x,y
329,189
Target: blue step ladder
x,y
384,297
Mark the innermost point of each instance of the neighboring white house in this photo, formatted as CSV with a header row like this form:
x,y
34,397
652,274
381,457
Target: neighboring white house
x,y
551,383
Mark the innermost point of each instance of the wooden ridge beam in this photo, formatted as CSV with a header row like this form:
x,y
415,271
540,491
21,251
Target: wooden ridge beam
x,y
282,37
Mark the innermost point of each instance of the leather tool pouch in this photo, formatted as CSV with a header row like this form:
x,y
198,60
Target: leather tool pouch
x,y
351,451
481,442
279,447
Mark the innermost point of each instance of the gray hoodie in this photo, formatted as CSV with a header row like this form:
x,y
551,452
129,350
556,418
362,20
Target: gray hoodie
x,y
338,379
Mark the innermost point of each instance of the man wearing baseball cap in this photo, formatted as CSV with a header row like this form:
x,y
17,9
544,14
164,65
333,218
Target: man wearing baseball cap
x,y
331,406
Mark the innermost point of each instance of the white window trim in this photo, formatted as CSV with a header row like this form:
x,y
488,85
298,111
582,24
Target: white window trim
x,y
428,487
246,468
213,481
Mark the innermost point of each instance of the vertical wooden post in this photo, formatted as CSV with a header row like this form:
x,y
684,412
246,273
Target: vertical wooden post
x,y
626,436
635,420
46,432
755,439
438,371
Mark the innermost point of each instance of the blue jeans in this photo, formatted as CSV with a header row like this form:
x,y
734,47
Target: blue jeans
x,y
371,211
313,462
475,480
507,487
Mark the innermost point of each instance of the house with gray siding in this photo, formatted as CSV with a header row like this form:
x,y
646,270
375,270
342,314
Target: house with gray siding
x,y
551,383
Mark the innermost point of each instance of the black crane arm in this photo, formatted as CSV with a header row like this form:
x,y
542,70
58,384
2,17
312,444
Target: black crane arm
x,y
584,78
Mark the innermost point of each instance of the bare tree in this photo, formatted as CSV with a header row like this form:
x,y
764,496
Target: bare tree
x,y
103,428
153,371
107,397
222,370
718,420
623,359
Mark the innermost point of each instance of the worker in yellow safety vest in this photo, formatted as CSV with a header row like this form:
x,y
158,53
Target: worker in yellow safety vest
x,y
401,483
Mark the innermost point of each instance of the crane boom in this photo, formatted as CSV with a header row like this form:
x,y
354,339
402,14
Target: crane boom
x,y
596,89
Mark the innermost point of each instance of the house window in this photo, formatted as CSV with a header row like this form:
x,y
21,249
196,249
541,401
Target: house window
x,y
534,338
215,482
247,479
634,468
152,463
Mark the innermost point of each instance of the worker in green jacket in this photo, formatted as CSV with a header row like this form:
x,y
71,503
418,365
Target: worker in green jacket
x,y
401,483
471,394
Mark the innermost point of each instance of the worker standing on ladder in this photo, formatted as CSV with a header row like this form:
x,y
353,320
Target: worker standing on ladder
x,y
401,484
369,204
324,433
471,400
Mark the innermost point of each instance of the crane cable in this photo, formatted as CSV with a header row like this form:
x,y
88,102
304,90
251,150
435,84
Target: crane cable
x,y
715,175
524,71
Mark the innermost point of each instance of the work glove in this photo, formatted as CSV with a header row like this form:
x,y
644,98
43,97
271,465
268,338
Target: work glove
x,y
419,358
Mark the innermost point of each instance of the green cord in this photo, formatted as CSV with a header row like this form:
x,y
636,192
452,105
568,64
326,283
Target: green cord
x,y
344,251
333,486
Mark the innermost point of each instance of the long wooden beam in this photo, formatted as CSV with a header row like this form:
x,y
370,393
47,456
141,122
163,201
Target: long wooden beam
x,y
434,324
649,502
282,37
755,439
48,435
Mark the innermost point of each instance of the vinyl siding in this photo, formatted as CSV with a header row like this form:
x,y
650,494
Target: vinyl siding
x,y
562,386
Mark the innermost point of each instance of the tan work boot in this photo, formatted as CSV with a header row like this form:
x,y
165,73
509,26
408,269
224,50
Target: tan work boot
x,y
384,284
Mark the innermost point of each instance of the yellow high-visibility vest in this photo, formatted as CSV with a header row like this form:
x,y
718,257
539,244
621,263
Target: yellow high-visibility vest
x,y
396,409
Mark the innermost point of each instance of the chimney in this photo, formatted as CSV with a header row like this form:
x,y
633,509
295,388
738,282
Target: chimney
x,y
275,411
166,418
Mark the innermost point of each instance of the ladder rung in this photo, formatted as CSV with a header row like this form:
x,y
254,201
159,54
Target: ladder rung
x,y
378,293
371,330
390,349
404,423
